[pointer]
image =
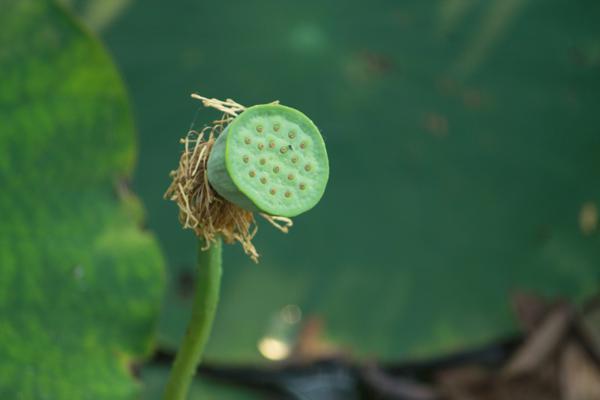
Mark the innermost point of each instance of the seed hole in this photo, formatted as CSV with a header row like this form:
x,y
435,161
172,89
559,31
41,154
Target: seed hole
x,y
302,186
290,177
303,145
307,167
284,149
288,194
263,180
272,144
260,146
252,174
247,140
276,127
273,191
246,159
292,134
294,159
276,169
259,128
263,161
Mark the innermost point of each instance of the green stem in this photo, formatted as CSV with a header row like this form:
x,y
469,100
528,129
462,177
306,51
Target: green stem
x,y
203,311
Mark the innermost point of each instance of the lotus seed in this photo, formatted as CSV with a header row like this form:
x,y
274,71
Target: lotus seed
x,y
276,127
272,144
276,169
252,174
302,186
288,194
263,161
259,128
283,149
247,140
292,134
294,159
263,180
307,167
261,146
303,145
291,177
246,159
273,191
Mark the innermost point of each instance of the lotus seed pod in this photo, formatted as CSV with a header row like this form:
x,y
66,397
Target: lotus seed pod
x,y
271,159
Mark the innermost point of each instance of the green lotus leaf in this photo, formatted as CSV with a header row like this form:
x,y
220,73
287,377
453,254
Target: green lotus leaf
x,y
80,282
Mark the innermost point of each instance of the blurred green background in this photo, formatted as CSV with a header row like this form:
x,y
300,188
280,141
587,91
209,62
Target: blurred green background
x,y
463,137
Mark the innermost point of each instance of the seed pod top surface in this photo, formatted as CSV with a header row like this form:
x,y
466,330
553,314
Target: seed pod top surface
x,y
271,158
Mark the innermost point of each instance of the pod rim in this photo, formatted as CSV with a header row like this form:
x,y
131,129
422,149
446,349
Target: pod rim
x,y
302,120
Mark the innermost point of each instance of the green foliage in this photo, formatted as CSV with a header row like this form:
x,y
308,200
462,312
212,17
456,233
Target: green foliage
x,y
80,283
463,140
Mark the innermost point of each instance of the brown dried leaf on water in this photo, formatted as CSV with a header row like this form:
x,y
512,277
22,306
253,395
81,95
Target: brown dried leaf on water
x,y
530,309
589,326
528,387
580,376
477,383
557,359
541,343
465,382
312,343
389,387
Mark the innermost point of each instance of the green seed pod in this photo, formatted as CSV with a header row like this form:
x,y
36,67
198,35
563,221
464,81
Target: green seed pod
x,y
271,159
